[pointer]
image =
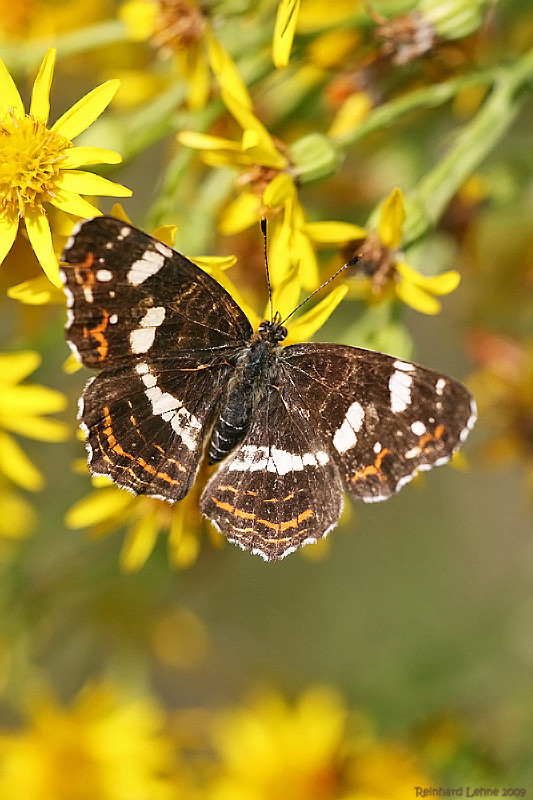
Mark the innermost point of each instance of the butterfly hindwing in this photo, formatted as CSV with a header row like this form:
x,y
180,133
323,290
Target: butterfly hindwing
x,y
146,426
279,489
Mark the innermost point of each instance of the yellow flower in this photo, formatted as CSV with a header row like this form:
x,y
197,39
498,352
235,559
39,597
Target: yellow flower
x,y
181,28
109,508
39,164
101,747
21,408
310,749
268,188
18,517
386,273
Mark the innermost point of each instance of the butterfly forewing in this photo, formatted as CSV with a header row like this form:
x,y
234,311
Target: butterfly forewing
x,y
130,296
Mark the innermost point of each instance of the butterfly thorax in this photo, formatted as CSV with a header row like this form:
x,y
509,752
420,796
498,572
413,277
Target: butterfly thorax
x,y
254,368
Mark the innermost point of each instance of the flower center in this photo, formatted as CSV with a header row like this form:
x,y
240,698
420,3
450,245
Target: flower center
x,y
179,25
376,261
30,158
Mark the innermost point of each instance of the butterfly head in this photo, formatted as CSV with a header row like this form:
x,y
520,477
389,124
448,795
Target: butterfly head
x,y
273,329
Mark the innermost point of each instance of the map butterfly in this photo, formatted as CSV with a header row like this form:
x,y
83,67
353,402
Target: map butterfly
x,y
182,372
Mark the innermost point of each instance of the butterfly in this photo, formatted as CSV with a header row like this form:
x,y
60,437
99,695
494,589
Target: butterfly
x,y
181,373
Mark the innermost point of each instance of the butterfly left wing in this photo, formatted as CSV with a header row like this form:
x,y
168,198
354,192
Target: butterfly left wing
x,y
279,489
383,419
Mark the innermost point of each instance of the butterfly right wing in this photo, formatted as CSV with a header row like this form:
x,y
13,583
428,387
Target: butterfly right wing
x,y
131,297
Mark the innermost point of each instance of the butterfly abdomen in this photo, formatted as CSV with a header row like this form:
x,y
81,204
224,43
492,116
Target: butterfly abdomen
x,y
244,390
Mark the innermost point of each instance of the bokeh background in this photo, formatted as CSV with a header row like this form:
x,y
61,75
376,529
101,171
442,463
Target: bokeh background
x,y
140,656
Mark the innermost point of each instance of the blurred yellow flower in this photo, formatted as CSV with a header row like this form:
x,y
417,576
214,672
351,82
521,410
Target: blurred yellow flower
x,y
387,274
21,409
101,747
109,508
181,28
314,749
38,163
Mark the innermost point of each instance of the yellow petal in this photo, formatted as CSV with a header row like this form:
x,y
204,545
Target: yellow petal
x,y
15,464
40,98
444,283
40,238
40,428
226,72
203,141
31,399
18,517
99,506
183,540
307,325
391,219
284,29
286,294
80,182
14,367
333,232
248,121
74,204
280,188
9,94
71,365
139,543
211,263
196,73
416,298
139,18
166,234
240,214
118,212
36,292
352,112
225,282
9,226
85,111
82,156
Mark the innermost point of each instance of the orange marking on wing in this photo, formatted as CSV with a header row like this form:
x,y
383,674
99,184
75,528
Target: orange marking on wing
x,y
229,489
372,469
98,334
431,437
119,450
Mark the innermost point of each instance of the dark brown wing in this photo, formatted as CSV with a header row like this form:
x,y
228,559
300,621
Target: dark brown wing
x,y
146,426
130,296
382,419
280,488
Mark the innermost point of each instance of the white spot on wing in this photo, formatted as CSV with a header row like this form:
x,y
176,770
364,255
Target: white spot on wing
x,y
142,338
103,275
400,389
345,437
418,428
170,408
149,264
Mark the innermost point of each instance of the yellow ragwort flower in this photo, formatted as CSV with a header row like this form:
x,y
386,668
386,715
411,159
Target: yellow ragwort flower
x,y
310,749
385,271
267,184
181,29
38,164
21,409
102,746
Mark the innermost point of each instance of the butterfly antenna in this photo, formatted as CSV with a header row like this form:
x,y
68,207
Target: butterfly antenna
x,y
264,232
349,263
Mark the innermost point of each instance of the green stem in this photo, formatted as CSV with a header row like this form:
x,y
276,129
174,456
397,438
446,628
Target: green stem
x,y
473,144
427,97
